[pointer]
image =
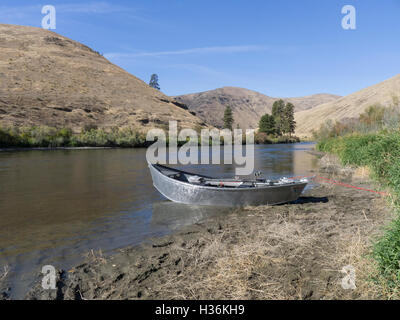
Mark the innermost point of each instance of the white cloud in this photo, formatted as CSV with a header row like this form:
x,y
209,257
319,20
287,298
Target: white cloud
x,y
204,50
92,8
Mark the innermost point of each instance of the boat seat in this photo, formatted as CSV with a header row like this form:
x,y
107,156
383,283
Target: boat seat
x,y
168,172
194,179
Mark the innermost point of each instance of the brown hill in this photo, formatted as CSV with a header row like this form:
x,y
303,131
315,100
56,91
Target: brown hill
x,y
247,105
48,79
350,106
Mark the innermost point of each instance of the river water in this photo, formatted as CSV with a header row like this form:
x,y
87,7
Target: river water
x,y
55,206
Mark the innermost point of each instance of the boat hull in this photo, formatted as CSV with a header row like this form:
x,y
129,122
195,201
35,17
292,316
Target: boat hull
x,y
187,193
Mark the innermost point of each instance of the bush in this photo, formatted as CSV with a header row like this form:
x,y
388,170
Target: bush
x,y
47,137
380,152
373,120
263,138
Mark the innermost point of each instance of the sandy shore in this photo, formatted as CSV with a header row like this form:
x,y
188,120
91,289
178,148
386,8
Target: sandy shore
x,y
292,251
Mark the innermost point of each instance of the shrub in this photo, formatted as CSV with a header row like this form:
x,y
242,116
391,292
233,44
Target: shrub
x,y
381,152
43,136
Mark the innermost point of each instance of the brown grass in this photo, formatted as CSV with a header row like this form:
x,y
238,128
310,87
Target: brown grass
x,y
279,260
4,273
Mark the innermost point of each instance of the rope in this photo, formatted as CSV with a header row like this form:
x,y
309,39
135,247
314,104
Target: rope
x,y
346,185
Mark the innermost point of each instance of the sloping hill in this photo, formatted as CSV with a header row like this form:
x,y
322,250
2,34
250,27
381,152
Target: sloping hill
x,y
247,105
350,106
48,79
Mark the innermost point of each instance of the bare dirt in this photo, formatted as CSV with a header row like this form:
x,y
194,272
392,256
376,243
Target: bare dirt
x,y
291,251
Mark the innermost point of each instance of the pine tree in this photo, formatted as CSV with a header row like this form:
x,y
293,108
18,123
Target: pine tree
x,y
289,125
267,124
228,118
278,109
154,81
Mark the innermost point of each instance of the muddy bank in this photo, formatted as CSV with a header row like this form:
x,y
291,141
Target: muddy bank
x,y
292,251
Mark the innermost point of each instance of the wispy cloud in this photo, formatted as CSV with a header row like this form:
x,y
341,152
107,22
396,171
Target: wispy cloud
x,y
21,14
204,50
91,8
200,69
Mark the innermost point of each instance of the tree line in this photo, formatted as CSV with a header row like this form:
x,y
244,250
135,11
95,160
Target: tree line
x,y
280,121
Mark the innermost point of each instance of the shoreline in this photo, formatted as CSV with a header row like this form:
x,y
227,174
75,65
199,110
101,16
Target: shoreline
x,y
15,149
291,251
55,148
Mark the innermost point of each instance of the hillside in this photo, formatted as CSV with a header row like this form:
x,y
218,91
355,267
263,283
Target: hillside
x,y
48,79
350,106
247,105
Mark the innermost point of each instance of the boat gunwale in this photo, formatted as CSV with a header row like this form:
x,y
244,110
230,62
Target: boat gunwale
x,y
294,183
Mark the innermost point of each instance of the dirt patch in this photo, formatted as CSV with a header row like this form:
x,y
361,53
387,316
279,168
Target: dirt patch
x,y
292,251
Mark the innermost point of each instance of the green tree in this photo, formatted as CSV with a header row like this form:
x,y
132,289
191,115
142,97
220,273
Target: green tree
x,y
228,118
278,109
154,81
288,123
267,124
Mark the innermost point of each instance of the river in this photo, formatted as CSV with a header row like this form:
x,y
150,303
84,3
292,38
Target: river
x,y
55,206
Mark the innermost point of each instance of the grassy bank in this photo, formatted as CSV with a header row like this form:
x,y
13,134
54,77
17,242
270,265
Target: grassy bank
x,y
380,152
48,137
263,138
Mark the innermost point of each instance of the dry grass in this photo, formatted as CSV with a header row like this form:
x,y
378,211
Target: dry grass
x,y
350,106
4,273
269,261
362,172
222,270
44,78
286,256
95,257
3,281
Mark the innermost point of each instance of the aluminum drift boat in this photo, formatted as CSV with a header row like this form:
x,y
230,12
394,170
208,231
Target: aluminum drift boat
x,y
184,187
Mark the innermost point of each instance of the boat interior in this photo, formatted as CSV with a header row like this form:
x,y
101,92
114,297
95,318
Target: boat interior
x,y
221,182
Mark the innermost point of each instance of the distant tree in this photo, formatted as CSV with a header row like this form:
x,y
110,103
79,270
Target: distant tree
x,y
228,118
288,123
154,81
278,109
267,124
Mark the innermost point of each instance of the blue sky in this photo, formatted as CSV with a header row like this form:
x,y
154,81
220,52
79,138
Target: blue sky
x,y
280,48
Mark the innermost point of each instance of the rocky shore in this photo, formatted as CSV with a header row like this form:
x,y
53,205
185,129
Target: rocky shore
x,y
291,251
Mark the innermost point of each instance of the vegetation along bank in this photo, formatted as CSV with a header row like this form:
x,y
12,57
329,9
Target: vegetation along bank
x,y
373,142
